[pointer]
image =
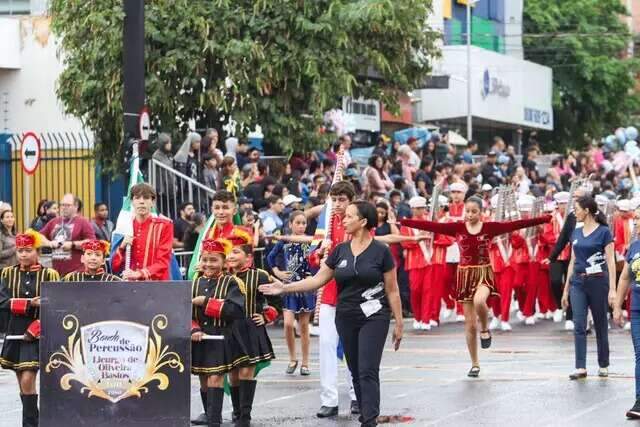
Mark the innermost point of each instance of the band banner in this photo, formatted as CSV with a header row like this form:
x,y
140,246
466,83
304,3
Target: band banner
x,y
115,354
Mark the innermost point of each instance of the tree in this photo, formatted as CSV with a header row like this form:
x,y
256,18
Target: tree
x,y
585,43
280,64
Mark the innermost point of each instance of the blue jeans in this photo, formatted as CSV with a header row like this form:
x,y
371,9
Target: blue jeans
x,y
590,292
635,336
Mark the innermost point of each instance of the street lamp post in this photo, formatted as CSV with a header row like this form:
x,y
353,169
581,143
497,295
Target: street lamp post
x,y
469,118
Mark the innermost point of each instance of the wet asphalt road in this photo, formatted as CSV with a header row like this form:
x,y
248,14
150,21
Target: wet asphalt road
x,y
523,383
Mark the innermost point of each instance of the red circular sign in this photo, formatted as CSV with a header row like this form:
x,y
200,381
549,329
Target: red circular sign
x,y
30,153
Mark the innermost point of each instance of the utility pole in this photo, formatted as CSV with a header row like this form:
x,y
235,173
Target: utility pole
x,y
133,97
469,113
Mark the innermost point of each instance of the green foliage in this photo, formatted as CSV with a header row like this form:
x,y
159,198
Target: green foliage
x,y
279,64
585,43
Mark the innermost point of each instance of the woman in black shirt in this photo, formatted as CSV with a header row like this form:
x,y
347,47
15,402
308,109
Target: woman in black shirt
x,y
367,295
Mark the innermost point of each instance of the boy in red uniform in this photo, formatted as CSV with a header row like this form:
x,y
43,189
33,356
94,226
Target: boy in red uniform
x,y
416,263
456,213
438,268
151,243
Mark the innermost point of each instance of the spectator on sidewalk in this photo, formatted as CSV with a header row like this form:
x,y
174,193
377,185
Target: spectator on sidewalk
x,y
102,226
7,240
183,223
270,218
66,234
51,211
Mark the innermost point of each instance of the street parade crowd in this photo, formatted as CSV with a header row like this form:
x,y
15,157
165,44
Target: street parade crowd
x,y
421,231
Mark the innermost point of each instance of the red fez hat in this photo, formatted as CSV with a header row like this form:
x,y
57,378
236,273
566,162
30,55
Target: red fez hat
x,y
29,239
96,245
217,246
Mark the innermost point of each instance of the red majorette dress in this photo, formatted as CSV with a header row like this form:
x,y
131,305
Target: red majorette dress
x,y
475,263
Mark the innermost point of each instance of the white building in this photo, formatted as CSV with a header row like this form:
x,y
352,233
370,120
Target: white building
x,y
507,92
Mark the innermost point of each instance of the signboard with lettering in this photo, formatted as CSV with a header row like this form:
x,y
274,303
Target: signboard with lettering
x,y
115,354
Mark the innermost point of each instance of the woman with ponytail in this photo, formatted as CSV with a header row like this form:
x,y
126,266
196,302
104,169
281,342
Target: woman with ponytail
x,y
474,280
591,283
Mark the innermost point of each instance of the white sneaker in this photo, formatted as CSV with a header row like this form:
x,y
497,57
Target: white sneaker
x,y
446,313
520,316
505,326
416,325
460,318
314,331
548,315
514,305
494,324
627,326
433,323
425,326
557,316
538,316
530,321
568,325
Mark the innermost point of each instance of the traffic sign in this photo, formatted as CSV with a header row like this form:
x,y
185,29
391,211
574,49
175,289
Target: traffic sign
x,y
30,153
144,124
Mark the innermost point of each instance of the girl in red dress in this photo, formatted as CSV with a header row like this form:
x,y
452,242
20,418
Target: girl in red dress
x,y
474,279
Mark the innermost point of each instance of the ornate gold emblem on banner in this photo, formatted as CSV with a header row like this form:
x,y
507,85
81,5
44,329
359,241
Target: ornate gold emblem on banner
x,y
114,360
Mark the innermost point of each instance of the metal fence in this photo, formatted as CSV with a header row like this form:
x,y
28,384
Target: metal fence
x,y
175,188
67,166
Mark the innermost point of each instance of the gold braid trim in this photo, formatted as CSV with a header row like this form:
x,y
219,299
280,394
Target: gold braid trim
x,y
469,277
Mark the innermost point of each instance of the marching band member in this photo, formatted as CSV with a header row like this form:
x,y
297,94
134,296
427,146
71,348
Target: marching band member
x,y
20,287
418,267
545,300
438,269
457,191
523,283
474,281
558,267
289,262
504,276
151,243
94,254
622,231
224,208
217,302
254,338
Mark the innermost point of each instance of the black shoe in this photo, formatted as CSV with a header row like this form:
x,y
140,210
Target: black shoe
x,y
485,342
634,413
355,407
578,375
235,402
215,397
291,367
327,411
474,372
247,393
202,418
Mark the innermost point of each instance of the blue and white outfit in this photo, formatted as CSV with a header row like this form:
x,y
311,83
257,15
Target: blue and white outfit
x,y
293,257
633,259
589,290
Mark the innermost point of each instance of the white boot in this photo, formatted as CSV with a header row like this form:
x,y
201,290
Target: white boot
x,y
520,316
416,325
425,326
548,315
460,318
433,323
494,324
505,326
557,316
568,325
529,321
538,316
